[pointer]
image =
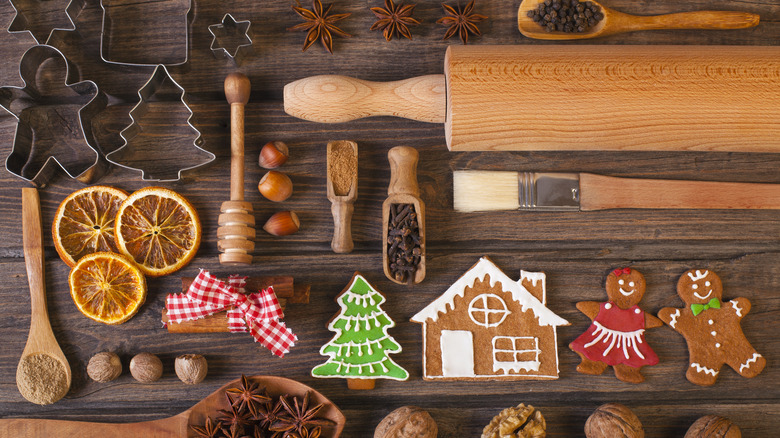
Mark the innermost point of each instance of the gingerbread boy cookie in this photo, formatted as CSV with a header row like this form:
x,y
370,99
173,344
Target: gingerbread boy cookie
x,y
617,335
712,329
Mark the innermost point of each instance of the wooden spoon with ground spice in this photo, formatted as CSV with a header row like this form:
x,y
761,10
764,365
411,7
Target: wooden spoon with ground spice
x,y
43,375
342,191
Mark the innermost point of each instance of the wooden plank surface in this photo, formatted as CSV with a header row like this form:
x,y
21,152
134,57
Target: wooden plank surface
x,y
576,250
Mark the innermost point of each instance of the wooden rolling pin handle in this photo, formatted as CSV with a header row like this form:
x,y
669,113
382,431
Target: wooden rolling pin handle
x,y
342,227
237,90
173,426
336,99
403,171
698,20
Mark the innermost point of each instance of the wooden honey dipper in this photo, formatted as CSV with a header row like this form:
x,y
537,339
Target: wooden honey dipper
x,y
236,232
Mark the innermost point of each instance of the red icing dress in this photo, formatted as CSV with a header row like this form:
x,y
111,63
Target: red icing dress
x,y
616,337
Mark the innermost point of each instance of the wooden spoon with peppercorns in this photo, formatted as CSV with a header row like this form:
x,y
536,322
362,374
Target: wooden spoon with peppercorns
x,y
571,20
181,425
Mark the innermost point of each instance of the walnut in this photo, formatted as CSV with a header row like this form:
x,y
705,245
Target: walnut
x,y
104,367
613,420
146,367
520,422
407,422
191,368
712,426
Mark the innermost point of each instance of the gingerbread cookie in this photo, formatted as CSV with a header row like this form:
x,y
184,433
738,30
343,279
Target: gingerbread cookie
x,y
712,329
616,337
487,326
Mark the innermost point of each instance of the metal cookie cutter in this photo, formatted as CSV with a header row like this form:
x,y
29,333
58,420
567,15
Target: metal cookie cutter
x,y
22,8
154,168
130,47
53,130
229,37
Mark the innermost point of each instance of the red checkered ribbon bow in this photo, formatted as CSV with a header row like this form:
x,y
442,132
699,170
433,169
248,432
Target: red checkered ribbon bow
x,y
261,311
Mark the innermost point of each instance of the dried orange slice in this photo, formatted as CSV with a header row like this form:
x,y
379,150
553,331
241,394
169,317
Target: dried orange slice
x,y
84,222
107,287
158,229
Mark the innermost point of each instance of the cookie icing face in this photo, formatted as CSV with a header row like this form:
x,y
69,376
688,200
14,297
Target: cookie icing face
x,y
699,286
625,287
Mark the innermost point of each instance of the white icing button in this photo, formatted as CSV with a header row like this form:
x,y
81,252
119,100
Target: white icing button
x,y
711,322
707,283
713,333
637,311
717,345
608,306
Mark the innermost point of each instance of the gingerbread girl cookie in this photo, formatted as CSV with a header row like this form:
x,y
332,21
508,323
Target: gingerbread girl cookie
x,y
616,337
712,329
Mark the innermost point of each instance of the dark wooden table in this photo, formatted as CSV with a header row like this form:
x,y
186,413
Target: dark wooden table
x,y
574,249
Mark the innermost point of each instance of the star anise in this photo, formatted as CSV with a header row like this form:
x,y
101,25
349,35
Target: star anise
x,y
461,21
232,416
268,413
208,430
394,20
320,24
234,432
249,396
297,418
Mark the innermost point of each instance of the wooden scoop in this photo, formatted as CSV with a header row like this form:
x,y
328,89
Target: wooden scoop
x,y
342,205
41,341
236,232
403,189
618,22
178,425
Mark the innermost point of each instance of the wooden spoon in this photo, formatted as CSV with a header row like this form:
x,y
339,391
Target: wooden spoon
x,y
41,343
178,425
342,206
618,22
403,189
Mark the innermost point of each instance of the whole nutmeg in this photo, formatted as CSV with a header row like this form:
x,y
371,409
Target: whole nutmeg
x,y
146,367
518,422
275,186
712,426
191,368
282,223
104,367
613,420
407,422
273,154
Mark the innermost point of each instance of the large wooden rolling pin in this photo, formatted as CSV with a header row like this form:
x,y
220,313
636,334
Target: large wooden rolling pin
x,y
554,97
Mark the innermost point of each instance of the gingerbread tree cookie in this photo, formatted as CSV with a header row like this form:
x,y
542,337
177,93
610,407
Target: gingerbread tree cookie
x,y
712,329
616,337
361,347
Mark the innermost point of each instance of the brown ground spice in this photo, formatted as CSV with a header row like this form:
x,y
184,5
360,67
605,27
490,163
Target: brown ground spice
x,y
42,379
342,166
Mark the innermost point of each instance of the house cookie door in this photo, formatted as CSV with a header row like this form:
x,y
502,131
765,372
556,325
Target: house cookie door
x,y
457,353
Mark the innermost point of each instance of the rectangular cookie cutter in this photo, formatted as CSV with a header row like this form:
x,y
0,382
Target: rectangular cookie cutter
x,y
155,169
53,131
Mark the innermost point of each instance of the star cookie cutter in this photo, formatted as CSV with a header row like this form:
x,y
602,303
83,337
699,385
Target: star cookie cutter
x,y
229,28
65,140
152,169
20,22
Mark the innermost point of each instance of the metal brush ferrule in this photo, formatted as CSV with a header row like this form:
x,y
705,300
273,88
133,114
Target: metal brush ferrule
x,y
549,191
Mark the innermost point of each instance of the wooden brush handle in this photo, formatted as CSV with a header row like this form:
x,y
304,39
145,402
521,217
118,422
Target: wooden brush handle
x,y
599,192
695,20
237,89
342,226
335,99
403,171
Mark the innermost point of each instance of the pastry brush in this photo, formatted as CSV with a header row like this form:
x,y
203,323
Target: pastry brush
x,y
476,190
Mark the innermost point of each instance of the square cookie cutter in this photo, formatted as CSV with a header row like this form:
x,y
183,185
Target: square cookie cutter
x,y
48,133
150,54
20,22
230,29
152,170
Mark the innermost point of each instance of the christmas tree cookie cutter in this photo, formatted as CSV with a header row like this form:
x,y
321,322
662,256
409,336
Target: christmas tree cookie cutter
x,y
21,23
53,131
359,352
151,169
229,30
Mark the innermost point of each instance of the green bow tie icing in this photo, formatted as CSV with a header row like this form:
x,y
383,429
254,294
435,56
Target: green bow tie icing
x,y
698,308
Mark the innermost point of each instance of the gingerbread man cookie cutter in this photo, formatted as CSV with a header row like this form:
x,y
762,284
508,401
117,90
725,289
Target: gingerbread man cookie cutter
x,y
21,22
62,141
230,28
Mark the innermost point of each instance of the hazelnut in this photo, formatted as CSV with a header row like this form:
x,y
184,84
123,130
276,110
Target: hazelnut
x,y
282,223
104,367
273,154
521,422
146,367
712,426
275,186
407,422
613,420
191,368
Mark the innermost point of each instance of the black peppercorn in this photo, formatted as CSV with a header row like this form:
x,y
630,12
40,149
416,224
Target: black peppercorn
x,y
566,15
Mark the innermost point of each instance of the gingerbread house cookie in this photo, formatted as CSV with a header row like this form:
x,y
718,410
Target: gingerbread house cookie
x,y
487,326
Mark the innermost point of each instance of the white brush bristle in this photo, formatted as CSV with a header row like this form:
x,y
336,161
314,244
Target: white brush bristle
x,y
482,190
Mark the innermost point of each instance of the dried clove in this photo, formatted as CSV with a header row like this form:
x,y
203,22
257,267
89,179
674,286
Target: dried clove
x,y
403,242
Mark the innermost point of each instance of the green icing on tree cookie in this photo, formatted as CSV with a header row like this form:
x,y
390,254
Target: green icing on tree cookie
x,y
360,348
